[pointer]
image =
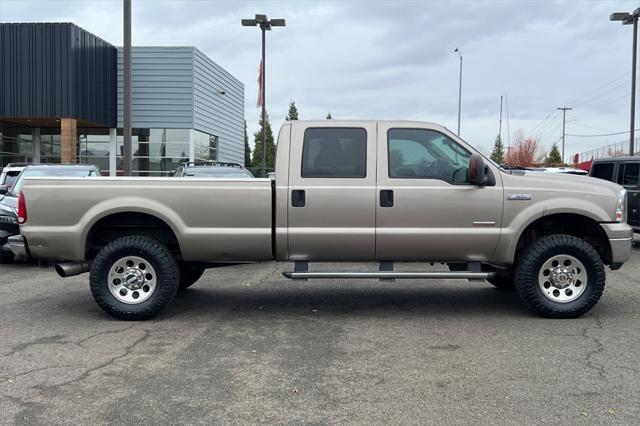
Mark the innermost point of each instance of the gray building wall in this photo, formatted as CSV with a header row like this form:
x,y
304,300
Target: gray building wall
x,y
179,87
221,115
56,70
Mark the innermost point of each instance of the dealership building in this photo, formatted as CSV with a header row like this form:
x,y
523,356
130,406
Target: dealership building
x,y
61,102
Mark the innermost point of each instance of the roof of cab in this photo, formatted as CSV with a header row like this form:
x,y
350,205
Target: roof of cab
x,y
616,159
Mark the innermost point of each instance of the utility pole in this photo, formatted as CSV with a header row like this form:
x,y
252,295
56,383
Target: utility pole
x,y
633,86
564,117
126,76
627,19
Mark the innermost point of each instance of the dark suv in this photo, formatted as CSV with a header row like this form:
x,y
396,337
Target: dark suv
x,y
624,171
212,169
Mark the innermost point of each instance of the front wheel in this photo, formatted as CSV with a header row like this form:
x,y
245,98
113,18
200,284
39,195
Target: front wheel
x,y
560,276
134,278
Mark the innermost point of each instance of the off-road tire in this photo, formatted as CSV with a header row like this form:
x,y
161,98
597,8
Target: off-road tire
x,y
157,255
189,275
532,260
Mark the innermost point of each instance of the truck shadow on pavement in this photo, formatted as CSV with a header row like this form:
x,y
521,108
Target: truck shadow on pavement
x,y
350,301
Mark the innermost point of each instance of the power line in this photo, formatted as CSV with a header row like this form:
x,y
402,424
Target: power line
x,y
620,77
602,135
591,127
543,124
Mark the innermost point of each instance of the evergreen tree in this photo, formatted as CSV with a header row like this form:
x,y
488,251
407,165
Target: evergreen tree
x,y
293,111
554,156
247,148
497,154
256,161
329,116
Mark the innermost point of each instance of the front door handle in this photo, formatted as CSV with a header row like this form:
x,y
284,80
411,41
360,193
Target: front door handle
x,y
386,198
298,198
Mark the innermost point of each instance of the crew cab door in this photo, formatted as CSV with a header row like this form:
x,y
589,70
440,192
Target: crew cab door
x,y
628,177
426,209
331,197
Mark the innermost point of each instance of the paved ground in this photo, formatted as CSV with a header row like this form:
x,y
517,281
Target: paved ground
x,y
243,345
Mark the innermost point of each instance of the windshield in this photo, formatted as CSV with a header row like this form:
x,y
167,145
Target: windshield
x,y
68,172
226,172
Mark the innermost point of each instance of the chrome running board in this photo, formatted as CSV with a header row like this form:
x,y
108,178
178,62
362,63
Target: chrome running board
x,y
465,275
386,272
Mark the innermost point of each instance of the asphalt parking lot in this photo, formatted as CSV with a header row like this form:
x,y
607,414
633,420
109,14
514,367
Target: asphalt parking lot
x,y
244,345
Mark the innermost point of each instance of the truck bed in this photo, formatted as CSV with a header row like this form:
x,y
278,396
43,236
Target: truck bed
x,y
220,219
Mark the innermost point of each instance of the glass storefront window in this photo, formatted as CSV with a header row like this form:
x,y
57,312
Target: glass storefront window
x,y
16,144
155,152
205,146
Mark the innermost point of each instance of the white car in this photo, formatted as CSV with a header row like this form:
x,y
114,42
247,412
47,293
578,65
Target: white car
x,y
568,170
10,173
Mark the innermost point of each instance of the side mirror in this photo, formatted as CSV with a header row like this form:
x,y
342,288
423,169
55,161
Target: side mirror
x,y
4,189
479,173
477,170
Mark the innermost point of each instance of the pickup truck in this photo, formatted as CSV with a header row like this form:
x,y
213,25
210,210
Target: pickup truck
x,y
370,191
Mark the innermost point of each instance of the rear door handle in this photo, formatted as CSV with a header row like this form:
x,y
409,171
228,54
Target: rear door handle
x,y
298,198
386,198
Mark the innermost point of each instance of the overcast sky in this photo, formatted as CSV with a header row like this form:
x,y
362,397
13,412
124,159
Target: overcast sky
x,y
395,59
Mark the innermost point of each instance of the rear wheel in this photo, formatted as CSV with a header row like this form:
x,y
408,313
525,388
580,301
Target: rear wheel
x,y
134,278
560,276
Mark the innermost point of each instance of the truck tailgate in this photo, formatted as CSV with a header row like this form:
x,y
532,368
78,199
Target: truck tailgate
x,y
213,219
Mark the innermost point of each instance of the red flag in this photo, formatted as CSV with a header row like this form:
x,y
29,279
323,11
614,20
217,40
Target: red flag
x,y
260,79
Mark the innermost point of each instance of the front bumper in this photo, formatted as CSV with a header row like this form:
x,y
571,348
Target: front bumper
x,y
621,240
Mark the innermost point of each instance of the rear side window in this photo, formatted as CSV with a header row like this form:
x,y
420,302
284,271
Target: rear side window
x,y
602,171
334,153
629,175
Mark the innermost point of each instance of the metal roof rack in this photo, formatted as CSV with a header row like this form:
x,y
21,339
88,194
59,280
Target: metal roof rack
x,y
211,164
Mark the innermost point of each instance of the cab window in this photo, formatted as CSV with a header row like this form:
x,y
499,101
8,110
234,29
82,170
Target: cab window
x,y
330,152
628,174
426,154
602,171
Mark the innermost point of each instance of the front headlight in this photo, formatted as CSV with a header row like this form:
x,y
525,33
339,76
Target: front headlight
x,y
621,206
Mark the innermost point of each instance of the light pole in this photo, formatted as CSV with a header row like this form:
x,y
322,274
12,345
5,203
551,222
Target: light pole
x,y
631,18
564,117
459,88
265,24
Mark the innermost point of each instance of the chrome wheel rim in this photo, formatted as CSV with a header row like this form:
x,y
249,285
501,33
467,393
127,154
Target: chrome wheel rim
x,y
562,278
132,280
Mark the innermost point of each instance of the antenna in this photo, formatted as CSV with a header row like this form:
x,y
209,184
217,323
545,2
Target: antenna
x,y
500,127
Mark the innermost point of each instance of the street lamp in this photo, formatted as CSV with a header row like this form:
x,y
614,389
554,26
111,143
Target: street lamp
x,y
627,19
265,24
459,88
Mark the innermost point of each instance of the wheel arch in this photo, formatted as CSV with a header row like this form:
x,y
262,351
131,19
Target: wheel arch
x,y
579,225
119,222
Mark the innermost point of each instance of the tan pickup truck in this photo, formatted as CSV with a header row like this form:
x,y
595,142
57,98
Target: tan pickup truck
x,y
385,191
